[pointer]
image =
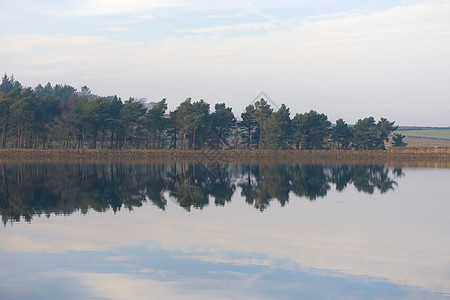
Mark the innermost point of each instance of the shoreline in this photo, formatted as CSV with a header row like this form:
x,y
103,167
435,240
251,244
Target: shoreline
x,y
413,156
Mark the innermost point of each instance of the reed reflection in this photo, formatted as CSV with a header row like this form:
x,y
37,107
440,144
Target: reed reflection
x,y
27,190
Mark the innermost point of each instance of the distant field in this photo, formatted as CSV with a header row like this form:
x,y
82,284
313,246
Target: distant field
x,y
427,133
426,137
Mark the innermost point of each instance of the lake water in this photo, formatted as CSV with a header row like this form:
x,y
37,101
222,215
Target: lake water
x,y
224,231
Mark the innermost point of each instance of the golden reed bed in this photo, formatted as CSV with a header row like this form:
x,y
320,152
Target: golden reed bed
x,y
437,157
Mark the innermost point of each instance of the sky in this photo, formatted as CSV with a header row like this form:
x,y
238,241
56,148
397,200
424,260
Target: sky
x,y
347,59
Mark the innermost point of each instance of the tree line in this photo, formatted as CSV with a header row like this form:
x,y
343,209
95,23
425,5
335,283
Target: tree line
x,y
33,189
59,116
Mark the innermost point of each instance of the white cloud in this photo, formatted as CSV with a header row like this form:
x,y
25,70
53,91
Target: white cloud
x,y
339,64
227,28
144,17
121,29
107,7
241,13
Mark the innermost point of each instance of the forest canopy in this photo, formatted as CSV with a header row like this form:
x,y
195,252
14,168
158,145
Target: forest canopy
x,y
59,116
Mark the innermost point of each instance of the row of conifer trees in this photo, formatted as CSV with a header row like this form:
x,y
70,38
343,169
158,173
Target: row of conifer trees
x,y
61,117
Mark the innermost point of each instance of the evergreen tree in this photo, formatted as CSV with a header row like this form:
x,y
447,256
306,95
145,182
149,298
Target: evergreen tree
x,y
341,134
60,115
364,137
156,123
369,135
201,124
113,122
397,140
183,119
310,130
95,115
192,119
262,113
131,117
5,120
249,125
221,121
278,130
384,128
23,114
8,84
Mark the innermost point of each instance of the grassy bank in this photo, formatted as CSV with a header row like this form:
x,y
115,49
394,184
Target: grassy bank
x,y
420,156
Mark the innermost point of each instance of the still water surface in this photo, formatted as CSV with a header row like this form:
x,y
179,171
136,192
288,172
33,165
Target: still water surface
x,y
224,231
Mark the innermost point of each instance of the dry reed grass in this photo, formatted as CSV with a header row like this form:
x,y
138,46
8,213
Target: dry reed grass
x,y
401,157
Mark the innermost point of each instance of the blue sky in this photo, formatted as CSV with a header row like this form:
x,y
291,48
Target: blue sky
x,y
348,59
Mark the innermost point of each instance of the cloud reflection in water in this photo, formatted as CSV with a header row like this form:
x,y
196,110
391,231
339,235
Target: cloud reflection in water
x,y
347,244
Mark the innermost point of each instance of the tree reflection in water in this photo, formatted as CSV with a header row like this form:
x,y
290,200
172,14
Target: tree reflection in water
x,y
27,190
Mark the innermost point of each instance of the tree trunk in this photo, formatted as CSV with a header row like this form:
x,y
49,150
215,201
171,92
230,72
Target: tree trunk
x,y
103,138
184,141
3,143
261,134
159,140
83,137
95,141
18,138
112,140
193,139
221,140
175,141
